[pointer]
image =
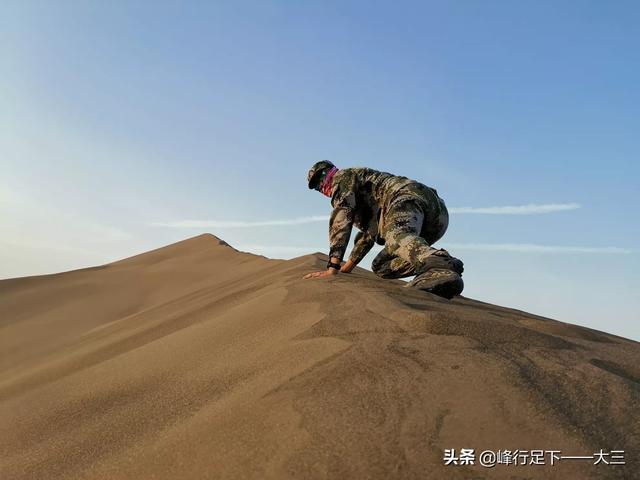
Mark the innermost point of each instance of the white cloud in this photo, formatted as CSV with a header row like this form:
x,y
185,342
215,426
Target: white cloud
x,y
485,247
535,248
530,209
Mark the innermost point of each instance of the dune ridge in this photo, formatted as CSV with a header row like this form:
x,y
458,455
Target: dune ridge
x,y
197,360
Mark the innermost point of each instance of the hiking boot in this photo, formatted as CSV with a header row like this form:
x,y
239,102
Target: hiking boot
x,y
441,259
439,281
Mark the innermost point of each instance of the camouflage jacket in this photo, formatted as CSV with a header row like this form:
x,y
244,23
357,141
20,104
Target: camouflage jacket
x,y
360,196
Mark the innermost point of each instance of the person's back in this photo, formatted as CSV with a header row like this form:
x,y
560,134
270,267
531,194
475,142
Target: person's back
x,y
371,186
369,191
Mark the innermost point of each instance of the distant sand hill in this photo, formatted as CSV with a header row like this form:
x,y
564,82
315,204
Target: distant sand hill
x,y
199,361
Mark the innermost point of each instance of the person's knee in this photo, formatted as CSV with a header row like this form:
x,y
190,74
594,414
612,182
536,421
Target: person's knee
x,y
379,262
375,266
389,273
385,273
388,265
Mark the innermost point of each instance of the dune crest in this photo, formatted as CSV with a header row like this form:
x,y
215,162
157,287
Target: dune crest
x,y
197,360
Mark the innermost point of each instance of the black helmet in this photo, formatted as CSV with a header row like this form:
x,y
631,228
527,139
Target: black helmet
x,y
313,177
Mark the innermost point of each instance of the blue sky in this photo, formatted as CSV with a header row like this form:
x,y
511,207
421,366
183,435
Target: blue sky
x,y
125,126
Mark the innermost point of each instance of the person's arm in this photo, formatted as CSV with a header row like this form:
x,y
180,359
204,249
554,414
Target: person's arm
x,y
340,226
363,244
343,200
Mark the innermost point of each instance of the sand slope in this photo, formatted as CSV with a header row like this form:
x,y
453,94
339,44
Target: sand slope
x,y
199,361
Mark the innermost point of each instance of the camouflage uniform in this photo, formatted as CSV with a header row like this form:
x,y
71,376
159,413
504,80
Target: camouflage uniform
x,y
403,214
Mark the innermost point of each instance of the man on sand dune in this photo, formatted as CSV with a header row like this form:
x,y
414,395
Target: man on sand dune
x,y
404,215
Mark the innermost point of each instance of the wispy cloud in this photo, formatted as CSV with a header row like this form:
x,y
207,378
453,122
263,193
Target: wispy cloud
x,y
484,247
535,248
530,209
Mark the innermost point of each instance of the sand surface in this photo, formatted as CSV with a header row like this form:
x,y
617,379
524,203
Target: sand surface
x,y
199,361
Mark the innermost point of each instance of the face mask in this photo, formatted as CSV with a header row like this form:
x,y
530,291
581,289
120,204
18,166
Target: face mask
x,y
324,185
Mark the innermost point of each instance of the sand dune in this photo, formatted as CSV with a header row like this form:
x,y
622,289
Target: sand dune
x,y
199,361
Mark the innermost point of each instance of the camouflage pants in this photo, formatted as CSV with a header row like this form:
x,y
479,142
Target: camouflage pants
x,y
413,221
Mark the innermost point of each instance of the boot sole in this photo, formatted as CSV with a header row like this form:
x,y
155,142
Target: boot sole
x,y
446,286
448,290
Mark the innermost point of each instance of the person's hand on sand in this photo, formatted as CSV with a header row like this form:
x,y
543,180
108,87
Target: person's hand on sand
x,y
346,268
323,273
